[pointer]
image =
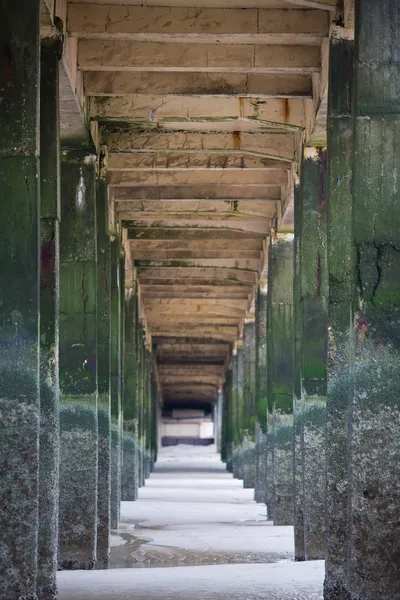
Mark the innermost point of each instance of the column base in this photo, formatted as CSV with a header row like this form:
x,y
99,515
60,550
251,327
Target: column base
x,y
78,487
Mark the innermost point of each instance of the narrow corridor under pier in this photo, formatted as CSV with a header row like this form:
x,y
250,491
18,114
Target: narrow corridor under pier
x,y
199,244
195,532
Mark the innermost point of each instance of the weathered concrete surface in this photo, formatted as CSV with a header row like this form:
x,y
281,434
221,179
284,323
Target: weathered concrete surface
x,y
372,543
103,376
341,283
116,453
129,474
19,298
311,338
49,319
280,438
260,492
78,364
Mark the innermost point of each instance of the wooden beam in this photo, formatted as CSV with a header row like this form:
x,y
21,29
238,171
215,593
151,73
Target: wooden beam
x,y
234,222
209,177
124,161
208,24
179,82
182,289
201,245
217,273
230,263
112,55
318,4
197,192
278,143
244,208
214,110
144,233
168,255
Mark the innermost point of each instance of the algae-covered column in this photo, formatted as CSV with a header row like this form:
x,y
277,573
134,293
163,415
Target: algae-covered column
x,y
116,383
103,375
129,475
311,293
261,394
249,397
19,301
51,49
234,413
78,362
140,399
372,544
340,312
225,416
280,380
239,411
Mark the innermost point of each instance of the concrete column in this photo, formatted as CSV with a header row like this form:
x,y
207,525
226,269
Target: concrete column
x,y
280,378
19,302
225,425
129,476
140,400
78,363
235,415
238,462
217,421
103,374
249,454
116,384
340,314
49,319
368,314
260,492
311,328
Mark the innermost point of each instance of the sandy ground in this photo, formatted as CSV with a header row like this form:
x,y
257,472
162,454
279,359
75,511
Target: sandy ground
x,y
208,535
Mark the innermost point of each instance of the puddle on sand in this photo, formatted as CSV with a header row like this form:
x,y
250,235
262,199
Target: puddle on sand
x,y
134,551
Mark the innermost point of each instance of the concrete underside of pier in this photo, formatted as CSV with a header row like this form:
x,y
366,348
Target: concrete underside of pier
x,y
195,519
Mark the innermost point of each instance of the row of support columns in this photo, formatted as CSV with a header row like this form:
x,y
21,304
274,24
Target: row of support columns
x,y
79,397
328,336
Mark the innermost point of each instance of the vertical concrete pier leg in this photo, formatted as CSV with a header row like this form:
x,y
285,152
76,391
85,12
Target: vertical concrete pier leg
x,y
78,363
129,474
312,331
103,375
19,301
261,394
340,316
373,544
49,319
116,383
249,396
280,376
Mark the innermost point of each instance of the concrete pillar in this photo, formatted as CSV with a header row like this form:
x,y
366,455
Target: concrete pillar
x,y
239,436
280,378
260,492
78,363
140,400
129,475
19,302
311,333
228,404
116,384
369,317
340,315
49,319
217,421
249,454
103,374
